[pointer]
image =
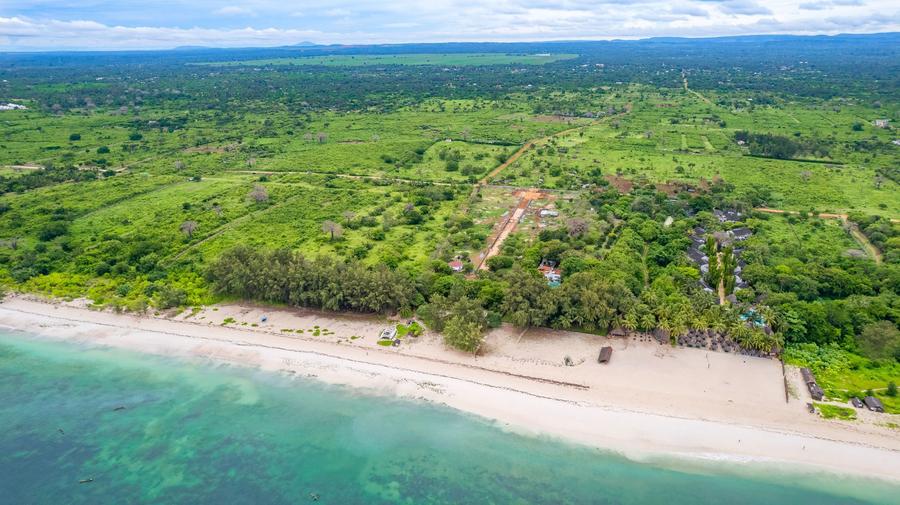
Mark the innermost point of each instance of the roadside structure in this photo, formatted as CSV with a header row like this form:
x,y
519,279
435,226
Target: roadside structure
x,y
874,404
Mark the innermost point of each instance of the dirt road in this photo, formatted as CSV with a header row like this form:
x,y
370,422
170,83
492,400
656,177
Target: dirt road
x,y
509,225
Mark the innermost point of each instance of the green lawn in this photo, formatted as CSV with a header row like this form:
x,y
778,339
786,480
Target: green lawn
x,y
834,412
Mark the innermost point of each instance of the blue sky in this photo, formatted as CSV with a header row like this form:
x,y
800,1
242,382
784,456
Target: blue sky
x,y
130,24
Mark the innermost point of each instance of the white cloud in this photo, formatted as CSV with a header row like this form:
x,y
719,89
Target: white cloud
x,y
829,4
689,10
92,35
34,24
744,8
336,13
233,10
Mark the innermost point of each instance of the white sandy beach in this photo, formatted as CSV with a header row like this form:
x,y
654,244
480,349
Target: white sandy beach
x,y
649,400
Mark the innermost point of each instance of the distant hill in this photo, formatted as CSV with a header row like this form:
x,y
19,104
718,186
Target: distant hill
x,y
766,50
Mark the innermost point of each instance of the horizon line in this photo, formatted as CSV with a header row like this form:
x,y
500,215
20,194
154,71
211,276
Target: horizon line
x,y
310,44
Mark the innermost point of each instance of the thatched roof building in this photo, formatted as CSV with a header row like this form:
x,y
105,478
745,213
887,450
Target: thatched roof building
x,y
816,392
874,404
808,376
605,355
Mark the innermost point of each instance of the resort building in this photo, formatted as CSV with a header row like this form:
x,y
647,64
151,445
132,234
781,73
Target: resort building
x,y
874,404
550,272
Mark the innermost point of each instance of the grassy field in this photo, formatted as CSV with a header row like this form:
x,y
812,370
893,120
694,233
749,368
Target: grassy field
x,y
450,60
671,137
366,169
791,240
843,375
400,144
835,412
142,227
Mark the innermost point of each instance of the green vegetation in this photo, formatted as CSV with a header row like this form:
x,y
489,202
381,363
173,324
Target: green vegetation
x,y
413,329
452,60
343,179
835,412
843,374
665,138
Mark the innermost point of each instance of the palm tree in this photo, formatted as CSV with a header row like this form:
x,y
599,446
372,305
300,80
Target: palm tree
x,y
741,334
758,340
714,320
667,325
769,316
630,321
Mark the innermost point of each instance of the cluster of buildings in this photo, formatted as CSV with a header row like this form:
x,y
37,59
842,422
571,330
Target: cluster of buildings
x,y
12,106
698,256
816,392
551,272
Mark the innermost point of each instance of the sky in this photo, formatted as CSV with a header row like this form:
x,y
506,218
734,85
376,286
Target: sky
x,y
161,24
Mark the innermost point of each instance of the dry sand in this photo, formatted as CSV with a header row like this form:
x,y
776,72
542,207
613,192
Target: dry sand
x,y
650,400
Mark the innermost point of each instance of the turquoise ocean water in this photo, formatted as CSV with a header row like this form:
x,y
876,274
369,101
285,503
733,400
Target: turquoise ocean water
x,y
194,433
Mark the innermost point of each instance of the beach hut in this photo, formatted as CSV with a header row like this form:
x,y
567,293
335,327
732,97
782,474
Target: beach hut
x,y
605,355
816,392
662,335
808,377
874,404
618,331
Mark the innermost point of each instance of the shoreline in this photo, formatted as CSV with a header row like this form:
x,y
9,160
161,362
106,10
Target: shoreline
x,y
622,407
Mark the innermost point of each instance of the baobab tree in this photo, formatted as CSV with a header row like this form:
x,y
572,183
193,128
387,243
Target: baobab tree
x,y
259,194
577,227
189,227
333,228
